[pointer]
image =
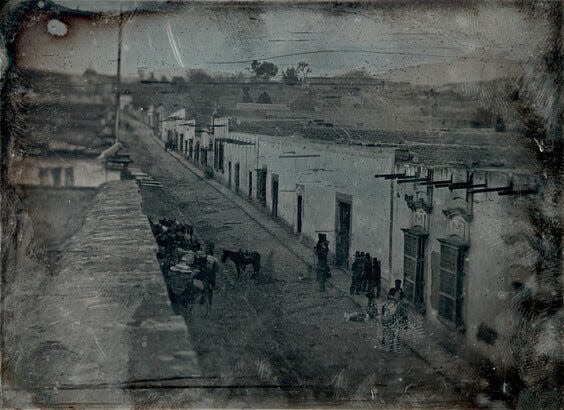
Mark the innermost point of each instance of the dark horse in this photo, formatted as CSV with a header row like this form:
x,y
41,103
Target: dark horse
x,y
242,259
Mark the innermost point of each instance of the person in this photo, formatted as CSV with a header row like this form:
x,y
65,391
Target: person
x,y
376,276
208,274
356,274
371,308
396,292
366,272
389,317
321,252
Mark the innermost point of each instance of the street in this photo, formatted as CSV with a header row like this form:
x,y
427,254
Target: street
x,y
276,340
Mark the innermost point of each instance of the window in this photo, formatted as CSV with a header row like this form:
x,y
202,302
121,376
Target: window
x,y
414,266
43,176
69,176
451,281
56,173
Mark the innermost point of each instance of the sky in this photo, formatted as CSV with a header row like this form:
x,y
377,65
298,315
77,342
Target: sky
x,y
332,40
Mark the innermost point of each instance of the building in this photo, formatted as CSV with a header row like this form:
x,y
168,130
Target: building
x,y
453,233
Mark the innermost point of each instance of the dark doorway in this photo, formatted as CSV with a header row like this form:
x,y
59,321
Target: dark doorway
x,y
343,238
299,213
229,175
190,148
197,152
221,156
274,186
250,184
237,177
261,186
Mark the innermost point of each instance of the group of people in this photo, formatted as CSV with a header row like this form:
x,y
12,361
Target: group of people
x,y
366,275
366,278
179,248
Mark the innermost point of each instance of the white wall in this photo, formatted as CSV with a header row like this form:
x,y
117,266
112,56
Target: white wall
x,y
323,171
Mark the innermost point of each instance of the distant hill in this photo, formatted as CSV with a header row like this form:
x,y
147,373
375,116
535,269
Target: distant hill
x,y
456,71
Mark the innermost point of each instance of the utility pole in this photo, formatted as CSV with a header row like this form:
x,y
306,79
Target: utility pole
x,y
118,78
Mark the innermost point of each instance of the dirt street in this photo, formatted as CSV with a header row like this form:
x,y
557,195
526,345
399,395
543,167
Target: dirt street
x,y
275,340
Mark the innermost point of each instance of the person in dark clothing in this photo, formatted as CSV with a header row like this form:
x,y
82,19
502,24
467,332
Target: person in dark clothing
x,y
396,292
371,308
321,252
376,276
366,272
356,274
209,267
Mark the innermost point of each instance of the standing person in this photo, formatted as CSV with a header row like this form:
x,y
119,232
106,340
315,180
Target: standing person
x,y
366,272
208,274
321,252
376,276
356,274
396,292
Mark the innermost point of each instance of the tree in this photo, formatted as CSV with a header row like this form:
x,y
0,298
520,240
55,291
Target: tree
x,y
246,95
290,76
164,79
264,70
264,98
295,75
302,71
200,76
178,80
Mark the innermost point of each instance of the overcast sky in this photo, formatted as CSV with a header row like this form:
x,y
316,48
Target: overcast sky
x,y
331,40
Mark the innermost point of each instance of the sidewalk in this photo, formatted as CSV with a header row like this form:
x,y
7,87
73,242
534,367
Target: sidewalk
x,y
420,338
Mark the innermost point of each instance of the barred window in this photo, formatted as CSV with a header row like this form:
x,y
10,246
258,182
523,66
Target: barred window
x,y
451,282
414,266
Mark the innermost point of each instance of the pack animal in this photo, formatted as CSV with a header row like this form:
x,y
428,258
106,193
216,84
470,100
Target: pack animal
x,y
242,260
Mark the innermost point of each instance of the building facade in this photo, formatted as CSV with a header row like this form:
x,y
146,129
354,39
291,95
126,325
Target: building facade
x,y
454,235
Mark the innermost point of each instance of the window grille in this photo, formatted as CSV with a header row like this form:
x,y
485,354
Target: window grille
x,y
451,282
414,266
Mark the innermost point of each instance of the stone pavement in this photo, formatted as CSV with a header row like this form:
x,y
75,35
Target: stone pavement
x,y
421,338
101,331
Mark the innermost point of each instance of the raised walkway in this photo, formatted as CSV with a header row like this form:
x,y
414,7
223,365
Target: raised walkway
x,y
101,332
421,338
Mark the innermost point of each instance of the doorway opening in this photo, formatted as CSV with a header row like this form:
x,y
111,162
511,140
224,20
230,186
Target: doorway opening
x,y
261,186
237,177
299,214
343,228
274,186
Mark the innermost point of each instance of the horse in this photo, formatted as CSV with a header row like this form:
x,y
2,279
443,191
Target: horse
x,y
242,259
